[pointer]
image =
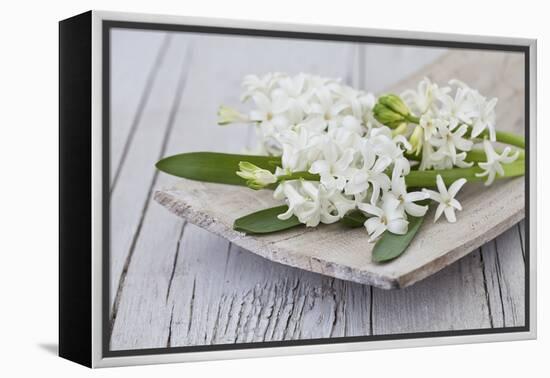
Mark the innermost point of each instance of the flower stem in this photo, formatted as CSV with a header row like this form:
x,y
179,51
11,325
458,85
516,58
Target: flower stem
x,y
412,119
501,136
475,155
303,175
425,179
510,138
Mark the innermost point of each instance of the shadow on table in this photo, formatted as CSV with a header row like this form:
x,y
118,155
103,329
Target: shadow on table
x,y
51,348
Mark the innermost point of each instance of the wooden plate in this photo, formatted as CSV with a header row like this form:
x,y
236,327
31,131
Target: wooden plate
x,y
346,254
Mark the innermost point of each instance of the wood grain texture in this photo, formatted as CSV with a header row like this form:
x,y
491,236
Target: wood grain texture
x,y
195,105
505,280
453,299
346,254
130,197
182,285
136,57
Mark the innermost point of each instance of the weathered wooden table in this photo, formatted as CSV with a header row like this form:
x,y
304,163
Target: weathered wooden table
x,y
174,284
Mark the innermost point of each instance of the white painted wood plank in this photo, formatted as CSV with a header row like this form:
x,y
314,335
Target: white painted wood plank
x,y
130,196
239,297
505,275
242,298
189,317
453,299
398,63
506,80
135,58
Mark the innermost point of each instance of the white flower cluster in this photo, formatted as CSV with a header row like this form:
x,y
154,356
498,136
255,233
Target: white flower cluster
x,y
451,118
291,109
320,126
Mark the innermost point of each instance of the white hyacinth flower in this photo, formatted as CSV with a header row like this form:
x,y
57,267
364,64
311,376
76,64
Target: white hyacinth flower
x,y
442,160
384,144
461,107
493,165
486,118
267,107
482,114
359,102
352,124
256,177
300,149
446,198
311,203
407,200
254,84
389,216
370,173
322,126
298,203
314,82
294,86
449,141
327,109
430,125
422,99
334,165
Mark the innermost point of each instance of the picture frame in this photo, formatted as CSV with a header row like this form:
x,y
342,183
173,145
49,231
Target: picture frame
x,y
86,286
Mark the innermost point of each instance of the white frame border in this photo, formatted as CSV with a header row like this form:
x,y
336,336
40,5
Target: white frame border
x,y
97,358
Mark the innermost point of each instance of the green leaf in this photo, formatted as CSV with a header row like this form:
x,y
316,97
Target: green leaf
x,y
391,245
214,166
427,179
265,221
354,219
222,168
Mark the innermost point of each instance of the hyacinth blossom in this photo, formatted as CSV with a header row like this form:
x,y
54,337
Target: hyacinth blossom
x,y
332,152
360,147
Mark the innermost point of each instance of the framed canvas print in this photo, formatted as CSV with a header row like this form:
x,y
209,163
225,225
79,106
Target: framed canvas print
x,y
232,189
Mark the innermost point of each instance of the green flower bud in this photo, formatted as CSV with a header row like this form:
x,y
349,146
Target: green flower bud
x,y
391,111
256,177
416,140
387,117
395,103
227,115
